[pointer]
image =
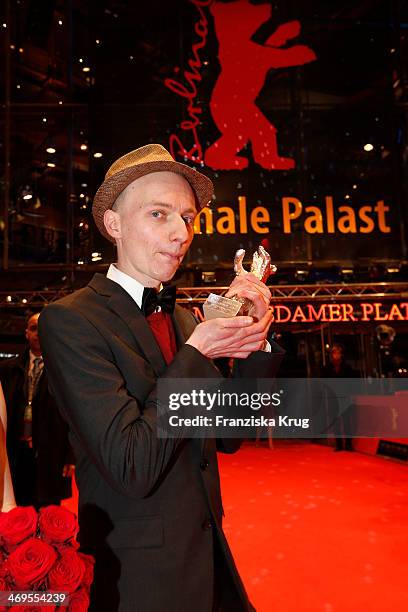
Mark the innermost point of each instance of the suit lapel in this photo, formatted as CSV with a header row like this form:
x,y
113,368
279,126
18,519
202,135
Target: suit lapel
x,y
120,302
183,326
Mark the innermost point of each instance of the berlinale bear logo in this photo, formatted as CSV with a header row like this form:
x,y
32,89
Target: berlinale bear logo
x,y
244,66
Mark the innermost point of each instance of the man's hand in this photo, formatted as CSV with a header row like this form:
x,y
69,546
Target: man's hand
x,y
236,337
249,286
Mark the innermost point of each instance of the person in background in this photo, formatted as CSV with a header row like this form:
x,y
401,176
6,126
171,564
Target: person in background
x,y
40,457
338,368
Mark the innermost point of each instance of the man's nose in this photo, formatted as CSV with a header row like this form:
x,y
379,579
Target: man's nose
x,y
178,231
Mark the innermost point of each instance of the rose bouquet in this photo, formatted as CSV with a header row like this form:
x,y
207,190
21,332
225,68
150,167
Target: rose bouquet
x,y
39,552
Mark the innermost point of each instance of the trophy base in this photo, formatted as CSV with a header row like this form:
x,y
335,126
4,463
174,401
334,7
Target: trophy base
x,y
217,306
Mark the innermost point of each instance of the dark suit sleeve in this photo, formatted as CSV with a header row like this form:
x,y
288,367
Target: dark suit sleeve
x,y
116,432
258,365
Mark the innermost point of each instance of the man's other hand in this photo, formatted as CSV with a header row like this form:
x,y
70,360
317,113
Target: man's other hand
x,y
236,337
249,286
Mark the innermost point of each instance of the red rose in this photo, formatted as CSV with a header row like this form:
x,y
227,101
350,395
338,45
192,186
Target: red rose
x,y
4,586
33,608
17,525
89,563
67,573
57,524
79,601
3,566
30,562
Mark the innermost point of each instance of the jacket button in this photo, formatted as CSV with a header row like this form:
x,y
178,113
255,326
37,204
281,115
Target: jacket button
x,y
207,525
204,464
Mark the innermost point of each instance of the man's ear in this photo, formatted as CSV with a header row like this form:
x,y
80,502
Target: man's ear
x,y
111,221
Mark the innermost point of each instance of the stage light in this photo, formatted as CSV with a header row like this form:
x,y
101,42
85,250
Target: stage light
x,y
97,154
86,69
81,195
50,164
354,186
59,21
44,119
347,197
83,147
96,256
81,60
368,147
393,269
9,298
301,276
208,277
4,25
26,193
50,150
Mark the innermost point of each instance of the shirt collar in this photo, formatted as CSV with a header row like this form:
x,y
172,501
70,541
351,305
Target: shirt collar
x,y
32,357
128,283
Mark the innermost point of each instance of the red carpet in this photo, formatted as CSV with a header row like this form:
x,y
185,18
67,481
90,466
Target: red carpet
x,y
317,531
313,530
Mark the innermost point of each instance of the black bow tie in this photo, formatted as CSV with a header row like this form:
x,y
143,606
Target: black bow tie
x,y
166,299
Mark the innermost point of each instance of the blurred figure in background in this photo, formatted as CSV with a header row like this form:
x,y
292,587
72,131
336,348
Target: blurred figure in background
x,y
37,437
338,368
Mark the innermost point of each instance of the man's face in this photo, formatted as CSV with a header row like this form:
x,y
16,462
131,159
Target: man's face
x,y
32,334
153,226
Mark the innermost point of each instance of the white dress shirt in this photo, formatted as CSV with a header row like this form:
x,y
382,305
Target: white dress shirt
x,y
129,284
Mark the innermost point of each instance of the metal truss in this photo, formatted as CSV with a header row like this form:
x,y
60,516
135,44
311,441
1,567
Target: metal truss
x,y
302,293
197,295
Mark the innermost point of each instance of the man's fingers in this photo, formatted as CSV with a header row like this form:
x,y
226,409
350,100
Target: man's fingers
x,y
253,295
250,281
263,324
244,328
237,322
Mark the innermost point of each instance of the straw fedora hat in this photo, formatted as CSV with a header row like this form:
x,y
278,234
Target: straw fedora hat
x,y
137,163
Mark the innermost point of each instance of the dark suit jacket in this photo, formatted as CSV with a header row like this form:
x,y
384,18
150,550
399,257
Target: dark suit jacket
x,y
51,450
149,508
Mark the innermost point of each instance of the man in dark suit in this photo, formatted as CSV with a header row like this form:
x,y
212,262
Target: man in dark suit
x,y
149,508
37,437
